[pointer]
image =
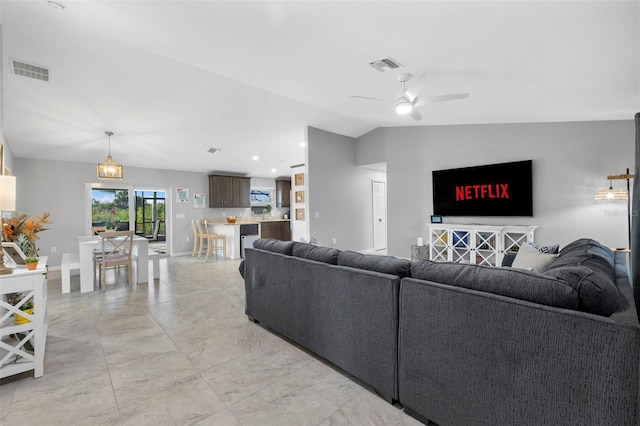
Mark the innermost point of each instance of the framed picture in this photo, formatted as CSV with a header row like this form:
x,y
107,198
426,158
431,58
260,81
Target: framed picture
x,y
299,196
199,200
299,214
182,195
436,219
14,252
299,179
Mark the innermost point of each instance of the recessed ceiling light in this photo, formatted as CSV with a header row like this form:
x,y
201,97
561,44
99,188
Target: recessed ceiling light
x,y
273,170
303,144
255,158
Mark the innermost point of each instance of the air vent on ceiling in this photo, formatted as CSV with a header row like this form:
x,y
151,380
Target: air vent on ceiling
x,y
213,150
29,70
385,64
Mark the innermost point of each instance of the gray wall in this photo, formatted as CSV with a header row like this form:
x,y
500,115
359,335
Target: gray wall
x,y
570,163
340,194
59,188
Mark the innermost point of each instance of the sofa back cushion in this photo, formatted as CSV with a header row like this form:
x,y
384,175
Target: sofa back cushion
x,y
383,264
518,283
317,253
277,246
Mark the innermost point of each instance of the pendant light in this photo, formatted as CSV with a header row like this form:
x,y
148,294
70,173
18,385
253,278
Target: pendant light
x,y
109,170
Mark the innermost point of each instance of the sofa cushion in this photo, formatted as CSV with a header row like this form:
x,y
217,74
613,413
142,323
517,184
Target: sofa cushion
x,y
529,257
589,253
596,292
518,283
317,253
277,246
384,264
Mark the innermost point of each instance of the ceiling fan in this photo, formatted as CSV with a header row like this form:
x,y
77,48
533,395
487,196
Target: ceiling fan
x,y
408,102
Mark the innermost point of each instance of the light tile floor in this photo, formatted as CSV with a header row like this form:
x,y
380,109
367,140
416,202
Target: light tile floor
x,y
179,350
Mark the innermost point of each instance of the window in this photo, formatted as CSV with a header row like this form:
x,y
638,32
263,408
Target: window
x,y
110,208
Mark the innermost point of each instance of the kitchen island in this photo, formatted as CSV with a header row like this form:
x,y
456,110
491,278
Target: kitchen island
x,y
277,228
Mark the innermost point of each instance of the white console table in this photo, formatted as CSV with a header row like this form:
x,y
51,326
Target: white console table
x,y
14,356
478,244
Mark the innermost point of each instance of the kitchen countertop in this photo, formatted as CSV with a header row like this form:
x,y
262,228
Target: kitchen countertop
x,y
250,221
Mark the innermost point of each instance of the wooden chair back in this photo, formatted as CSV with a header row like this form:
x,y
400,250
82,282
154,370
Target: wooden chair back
x,y
116,251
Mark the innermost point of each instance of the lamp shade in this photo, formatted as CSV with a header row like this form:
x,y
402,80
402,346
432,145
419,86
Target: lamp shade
x,y
7,193
611,194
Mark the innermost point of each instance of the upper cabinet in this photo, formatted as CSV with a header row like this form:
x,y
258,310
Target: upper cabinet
x,y
283,193
241,192
229,191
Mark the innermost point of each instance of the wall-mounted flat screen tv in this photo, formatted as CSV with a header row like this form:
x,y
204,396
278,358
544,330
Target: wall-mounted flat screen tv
x,y
492,190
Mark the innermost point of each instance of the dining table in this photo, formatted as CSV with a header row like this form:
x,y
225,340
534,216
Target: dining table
x,y
87,245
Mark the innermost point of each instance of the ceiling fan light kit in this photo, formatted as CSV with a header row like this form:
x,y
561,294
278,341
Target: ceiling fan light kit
x,y
407,101
403,107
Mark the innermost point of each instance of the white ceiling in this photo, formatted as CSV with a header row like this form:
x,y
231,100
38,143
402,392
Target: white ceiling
x,y
172,79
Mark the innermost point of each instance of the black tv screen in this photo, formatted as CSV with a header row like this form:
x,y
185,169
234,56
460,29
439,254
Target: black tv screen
x,y
493,190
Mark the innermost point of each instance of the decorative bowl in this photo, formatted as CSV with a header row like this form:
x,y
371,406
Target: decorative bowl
x,y
231,219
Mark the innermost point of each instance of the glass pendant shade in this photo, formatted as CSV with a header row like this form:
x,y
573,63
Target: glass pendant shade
x,y
109,170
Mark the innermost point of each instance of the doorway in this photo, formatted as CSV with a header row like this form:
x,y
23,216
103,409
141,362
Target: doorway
x,y
379,215
150,218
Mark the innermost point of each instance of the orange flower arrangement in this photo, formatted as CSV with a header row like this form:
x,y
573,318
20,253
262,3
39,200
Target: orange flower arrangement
x,y
22,230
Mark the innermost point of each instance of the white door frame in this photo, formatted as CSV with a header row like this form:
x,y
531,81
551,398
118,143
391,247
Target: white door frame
x,y
379,214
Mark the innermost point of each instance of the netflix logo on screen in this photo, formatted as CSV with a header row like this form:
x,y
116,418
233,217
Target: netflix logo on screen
x,y
493,190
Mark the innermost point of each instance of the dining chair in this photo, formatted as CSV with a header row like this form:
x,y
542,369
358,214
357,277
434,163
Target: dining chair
x,y
196,238
96,230
213,242
116,252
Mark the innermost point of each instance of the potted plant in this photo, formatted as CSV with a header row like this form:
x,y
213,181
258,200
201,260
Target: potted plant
x,y
27,307
31,262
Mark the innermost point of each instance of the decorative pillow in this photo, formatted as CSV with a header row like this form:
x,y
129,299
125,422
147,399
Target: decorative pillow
x,y
383,264
550,249
529,257
508,258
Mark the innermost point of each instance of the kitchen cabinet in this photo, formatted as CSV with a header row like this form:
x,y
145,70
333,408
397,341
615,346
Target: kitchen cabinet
x,y
241,192
229,191
283,193
279,230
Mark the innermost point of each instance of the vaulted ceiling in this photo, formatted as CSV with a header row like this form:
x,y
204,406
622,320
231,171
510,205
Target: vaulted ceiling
x,y
172,79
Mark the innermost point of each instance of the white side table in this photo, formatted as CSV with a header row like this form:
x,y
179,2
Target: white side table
x,y
14,356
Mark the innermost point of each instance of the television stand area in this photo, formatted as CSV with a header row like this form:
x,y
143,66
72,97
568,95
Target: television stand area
x,y
476,244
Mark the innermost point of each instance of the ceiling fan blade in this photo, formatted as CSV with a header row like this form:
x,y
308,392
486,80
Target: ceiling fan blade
x,y
371,99
415,114
415,87
425,100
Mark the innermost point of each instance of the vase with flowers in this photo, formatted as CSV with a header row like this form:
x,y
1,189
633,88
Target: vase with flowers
x,y
23,231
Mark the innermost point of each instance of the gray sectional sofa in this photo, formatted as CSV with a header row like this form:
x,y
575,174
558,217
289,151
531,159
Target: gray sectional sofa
x,y
463,344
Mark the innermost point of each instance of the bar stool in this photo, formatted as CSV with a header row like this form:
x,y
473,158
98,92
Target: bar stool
x,y
213,241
